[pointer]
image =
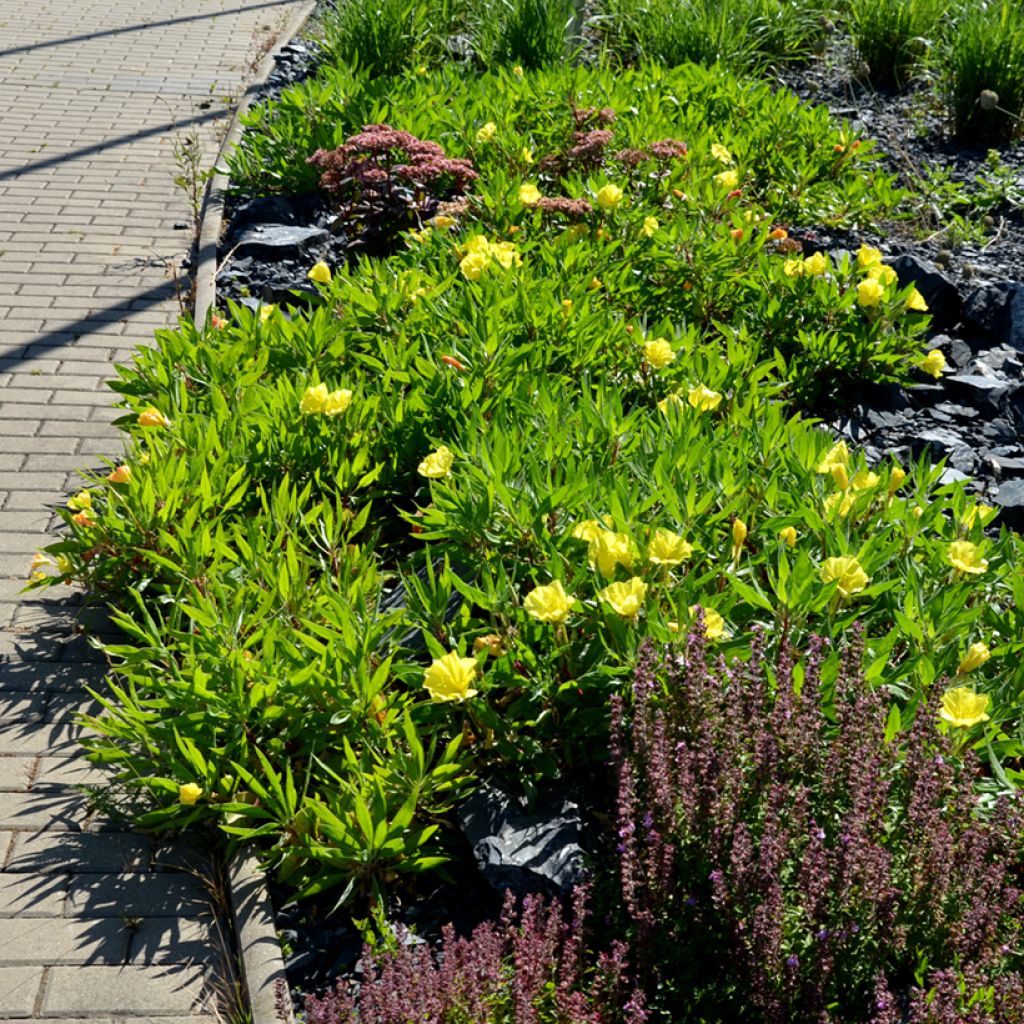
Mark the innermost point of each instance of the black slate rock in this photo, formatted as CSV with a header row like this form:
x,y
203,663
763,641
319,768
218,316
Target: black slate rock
x,y
1010,498
279,241
527,850
941,294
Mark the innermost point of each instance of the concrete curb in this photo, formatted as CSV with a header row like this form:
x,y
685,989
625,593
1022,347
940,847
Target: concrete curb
x,y
213,206
258,945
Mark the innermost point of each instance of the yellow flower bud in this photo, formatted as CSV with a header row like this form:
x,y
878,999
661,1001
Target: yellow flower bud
x,y
976,656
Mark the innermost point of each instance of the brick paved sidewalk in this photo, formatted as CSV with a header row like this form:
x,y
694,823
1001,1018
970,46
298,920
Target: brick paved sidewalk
x,y
94,922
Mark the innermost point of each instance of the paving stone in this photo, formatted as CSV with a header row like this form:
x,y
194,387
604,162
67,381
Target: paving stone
x,y
22,707
16,773
145,894
59,772
26,738
175,940
133,990
48,852
59,810
19,987
32,896
32,940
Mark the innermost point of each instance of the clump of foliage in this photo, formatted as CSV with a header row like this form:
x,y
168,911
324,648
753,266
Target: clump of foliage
x,y
530,966
893,37
797,850
529,34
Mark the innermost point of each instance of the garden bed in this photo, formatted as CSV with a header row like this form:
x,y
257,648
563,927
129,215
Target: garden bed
x,y
430,572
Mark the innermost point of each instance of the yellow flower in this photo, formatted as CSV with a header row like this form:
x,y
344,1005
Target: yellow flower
x,y
491,643
82,500
189,794
313,400
720,153
896,478
448,678
965,557
880,272
816,264
837,455
84,518
153,417
934,363
588,530
266,312
840,504
609,196
864,480
971,515
473,265
39,561
793,268
442,222
739,536
550,603
668,548
727,179
320,273
916,302
788,534
659,353
609,549
703,398
64,565
714,624
595,284
847,572
650,226
868,257
840,476
487,133
337,402
518,71
567,305
121,475
526,155
507,255
870,292
437,464
529,195
672,401
626,598
976,656
963,707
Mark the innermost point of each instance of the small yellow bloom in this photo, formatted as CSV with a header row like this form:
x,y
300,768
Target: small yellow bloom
x,y
840,504
720,153
449,678
816,265
793,268
437,465
727,179
714,624
567,305
526,155
313,400
506,254
739,536
672,401
491,643
84,518
668,548
121,475
518,71
658,353
868,257
847,572
549,603
966,557
609,549
837,455
153,417
609,196
788,534
64,565
320,273
487,132
975,512
529,195
442,222
916,302
626,598
421,70
864,480
82,500
650,226
778,235
896,477
883,274
267,310
588,530
963,707
337,402
976,656
870,292
39,561
934,363
473,265
703,398
189,794
841,478
595,284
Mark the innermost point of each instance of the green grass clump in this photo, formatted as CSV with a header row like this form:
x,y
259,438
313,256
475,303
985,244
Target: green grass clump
x,y
894,37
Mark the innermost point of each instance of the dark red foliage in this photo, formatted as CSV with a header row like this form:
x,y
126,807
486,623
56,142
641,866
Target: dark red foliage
x,y
521,972
782,862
